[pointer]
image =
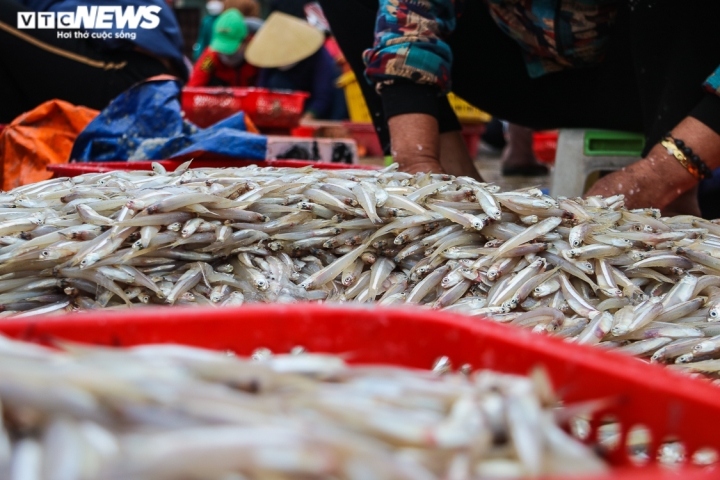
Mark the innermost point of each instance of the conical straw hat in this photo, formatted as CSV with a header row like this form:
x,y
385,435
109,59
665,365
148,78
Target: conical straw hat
x,y
283,40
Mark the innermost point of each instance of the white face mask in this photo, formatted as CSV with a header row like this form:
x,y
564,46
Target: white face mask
x,y
214,7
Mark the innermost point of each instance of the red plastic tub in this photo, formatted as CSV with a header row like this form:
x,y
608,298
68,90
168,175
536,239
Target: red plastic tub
x,y
75,169
668,404
205,106
274,108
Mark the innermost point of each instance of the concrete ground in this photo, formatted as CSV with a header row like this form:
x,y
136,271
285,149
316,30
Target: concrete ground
x,y
489,167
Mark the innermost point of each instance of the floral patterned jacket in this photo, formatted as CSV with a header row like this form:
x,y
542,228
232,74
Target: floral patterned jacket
x,y
553,34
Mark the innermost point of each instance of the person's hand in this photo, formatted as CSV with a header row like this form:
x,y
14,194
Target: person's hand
x,y
658,179
415,142
645,183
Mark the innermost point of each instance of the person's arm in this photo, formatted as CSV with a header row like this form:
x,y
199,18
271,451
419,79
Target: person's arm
x,y
659,179
410,62
203,70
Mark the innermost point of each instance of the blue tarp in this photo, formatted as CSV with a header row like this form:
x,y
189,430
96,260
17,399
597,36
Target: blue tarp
x,y
145,123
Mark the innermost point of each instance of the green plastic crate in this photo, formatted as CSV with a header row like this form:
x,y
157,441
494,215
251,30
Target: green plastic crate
x,y
613,143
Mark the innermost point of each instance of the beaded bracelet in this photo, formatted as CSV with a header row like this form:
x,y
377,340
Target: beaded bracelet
x,y
686,157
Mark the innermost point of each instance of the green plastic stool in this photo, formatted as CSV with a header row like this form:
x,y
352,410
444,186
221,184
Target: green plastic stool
x,y
583,152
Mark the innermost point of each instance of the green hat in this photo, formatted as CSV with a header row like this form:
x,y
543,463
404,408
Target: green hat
x,y
229,31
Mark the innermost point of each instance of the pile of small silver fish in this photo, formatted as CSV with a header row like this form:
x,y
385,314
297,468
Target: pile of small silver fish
x,y
163,412
587,270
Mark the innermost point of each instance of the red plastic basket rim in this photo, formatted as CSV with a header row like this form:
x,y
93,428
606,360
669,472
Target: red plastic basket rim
x,y
74,169
285,106
666,402
241,91
265,91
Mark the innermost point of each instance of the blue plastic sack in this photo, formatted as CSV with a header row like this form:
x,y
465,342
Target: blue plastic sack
x,y
145,123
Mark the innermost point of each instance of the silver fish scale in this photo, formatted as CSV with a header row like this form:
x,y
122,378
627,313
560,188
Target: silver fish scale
x,y
278,235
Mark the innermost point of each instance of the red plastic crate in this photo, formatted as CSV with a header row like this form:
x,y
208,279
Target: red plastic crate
x,y
205,106
545,146
75,169
667,403
274,108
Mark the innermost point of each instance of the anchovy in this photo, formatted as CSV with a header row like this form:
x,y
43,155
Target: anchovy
x,y
285,235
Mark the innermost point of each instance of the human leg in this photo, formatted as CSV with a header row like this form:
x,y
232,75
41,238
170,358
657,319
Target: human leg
x,y
518,158
454,156
494,135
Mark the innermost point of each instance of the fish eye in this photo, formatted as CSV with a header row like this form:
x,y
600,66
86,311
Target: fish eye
x,y
713,313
